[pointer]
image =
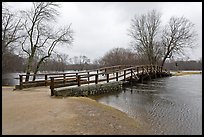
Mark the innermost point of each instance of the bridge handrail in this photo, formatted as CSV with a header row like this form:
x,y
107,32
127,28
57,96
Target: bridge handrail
x,y
105,71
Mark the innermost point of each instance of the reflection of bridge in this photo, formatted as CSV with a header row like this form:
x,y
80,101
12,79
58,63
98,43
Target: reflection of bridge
x,y
66,81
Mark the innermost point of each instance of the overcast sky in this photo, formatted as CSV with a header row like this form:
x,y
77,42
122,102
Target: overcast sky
x,y
101,26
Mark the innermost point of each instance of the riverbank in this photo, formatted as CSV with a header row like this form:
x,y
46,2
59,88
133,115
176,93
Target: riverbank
x,y
34,112
181,73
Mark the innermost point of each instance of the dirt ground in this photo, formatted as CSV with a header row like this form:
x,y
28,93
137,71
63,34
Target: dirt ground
x,y
34,112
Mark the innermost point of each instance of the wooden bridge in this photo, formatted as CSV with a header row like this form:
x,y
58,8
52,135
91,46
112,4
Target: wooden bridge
x,y
120,73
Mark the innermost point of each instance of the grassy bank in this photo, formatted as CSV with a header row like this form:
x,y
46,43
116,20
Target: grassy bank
x,y
181,73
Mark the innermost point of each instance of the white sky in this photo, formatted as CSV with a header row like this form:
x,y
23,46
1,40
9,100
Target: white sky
x,y
101,26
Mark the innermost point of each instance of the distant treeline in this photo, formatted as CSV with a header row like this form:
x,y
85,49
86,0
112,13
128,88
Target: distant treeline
x,y
15,63
184,65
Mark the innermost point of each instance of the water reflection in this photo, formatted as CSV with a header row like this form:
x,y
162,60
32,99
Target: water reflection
x,y
10,79
171,106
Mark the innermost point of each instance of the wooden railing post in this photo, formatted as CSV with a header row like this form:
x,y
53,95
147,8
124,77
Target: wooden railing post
x,y
78,80
137,70
52,86
88,77
116,76
27,78
34,76
96,79
107,76
45,79
124,75
21,82
131,74
64,77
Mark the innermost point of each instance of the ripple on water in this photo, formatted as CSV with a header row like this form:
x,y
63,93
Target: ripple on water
x,y
171,106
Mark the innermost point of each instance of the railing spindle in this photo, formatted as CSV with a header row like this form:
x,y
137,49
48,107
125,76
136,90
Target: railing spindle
x,y
107,76
96,79
52,86
45,80
21,81
124,75
116,76
78,80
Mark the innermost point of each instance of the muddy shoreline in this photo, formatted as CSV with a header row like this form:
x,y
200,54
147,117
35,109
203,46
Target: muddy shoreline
x,y
34,112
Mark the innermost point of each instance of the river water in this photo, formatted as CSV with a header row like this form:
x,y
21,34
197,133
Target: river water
x,y
170,106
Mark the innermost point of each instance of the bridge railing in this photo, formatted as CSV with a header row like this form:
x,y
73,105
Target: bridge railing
x,y
43,78
86,79
39,80
106,76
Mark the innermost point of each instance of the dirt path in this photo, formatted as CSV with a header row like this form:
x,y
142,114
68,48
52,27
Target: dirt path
x,y
34,112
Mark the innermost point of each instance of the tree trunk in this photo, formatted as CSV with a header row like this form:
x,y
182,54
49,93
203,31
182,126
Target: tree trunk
x,y
163,61
38,66
28,69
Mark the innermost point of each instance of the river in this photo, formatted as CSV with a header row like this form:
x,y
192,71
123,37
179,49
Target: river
x,y
12,79
170,106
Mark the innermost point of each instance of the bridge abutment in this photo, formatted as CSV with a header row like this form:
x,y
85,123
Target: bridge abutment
x,y
89,89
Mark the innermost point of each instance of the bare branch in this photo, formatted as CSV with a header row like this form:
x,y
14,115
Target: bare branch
x,y
41,38
178,35
143,30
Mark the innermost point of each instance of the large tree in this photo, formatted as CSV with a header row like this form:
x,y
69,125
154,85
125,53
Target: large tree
x,y
144,30
178,35
157,44
41,36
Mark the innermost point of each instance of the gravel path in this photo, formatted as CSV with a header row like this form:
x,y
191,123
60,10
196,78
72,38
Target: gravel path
x,y
34,112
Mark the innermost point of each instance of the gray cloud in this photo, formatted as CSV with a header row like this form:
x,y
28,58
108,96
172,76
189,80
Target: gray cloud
x,y
102,26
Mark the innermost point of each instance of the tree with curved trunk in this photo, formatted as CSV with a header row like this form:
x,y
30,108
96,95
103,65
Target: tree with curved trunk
x,y
178,35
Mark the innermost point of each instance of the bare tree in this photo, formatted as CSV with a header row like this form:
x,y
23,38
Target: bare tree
x,y
144,30
41,39
62,61
11,27
178,35
80,62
